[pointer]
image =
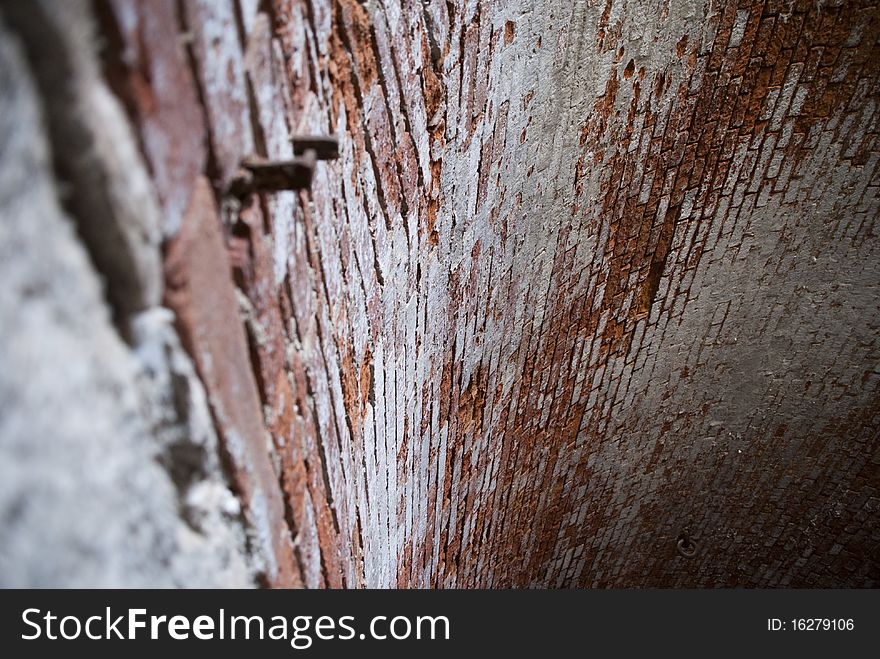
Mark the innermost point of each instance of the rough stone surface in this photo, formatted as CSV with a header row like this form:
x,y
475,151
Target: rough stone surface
x,y
109,473
587,276
94,153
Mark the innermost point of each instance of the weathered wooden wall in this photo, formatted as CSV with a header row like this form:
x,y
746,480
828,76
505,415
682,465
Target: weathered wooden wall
x,y
588,274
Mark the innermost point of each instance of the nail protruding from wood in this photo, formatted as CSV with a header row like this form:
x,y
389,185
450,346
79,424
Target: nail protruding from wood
x,y
258,174
325,147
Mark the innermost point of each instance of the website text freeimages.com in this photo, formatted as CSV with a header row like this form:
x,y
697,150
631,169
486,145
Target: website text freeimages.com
x,y
300,631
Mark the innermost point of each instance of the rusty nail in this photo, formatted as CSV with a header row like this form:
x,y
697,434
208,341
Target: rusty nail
x,y
262,175
258,174
325,147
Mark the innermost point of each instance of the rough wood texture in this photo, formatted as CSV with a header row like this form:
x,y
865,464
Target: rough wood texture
x,y
586,276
